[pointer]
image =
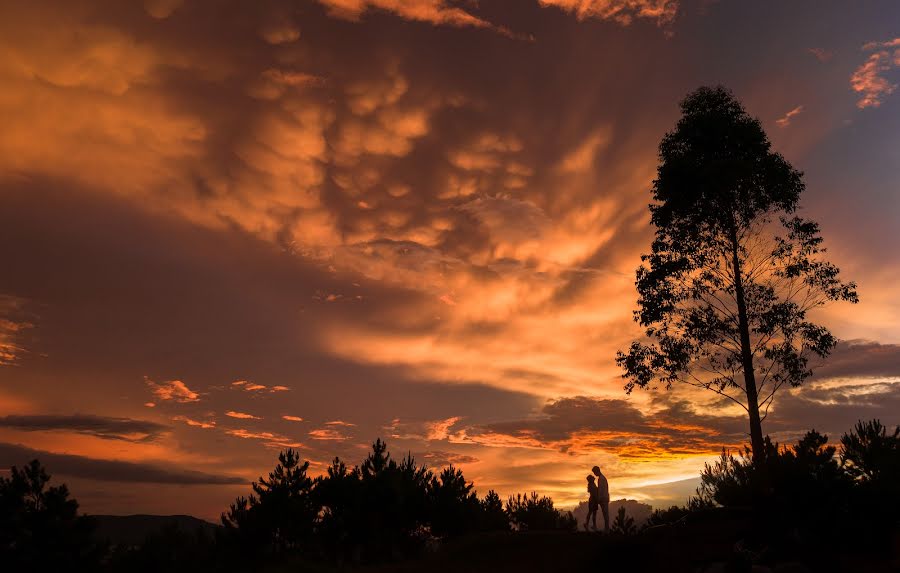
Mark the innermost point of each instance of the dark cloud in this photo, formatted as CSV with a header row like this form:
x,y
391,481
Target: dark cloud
x,y
105,427
835,408
109,470
861,358
581,423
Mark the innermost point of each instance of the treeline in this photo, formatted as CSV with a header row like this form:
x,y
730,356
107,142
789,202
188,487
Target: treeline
x,y
378,511
811,501
795,501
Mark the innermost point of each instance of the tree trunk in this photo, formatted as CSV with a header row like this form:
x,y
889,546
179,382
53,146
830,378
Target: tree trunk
x,y
756,436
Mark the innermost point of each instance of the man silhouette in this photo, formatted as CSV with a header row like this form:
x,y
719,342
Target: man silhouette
x,y
603,487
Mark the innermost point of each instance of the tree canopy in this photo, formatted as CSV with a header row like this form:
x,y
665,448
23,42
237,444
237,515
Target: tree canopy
x,y
725,294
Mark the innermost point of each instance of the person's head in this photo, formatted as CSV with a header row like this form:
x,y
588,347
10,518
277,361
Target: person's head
x,y
596,470
590,478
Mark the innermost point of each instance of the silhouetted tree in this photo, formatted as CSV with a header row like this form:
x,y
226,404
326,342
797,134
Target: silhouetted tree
x,y
493,517
536,513
801,477
338,495
870,454
454,508
394,502
623,524
40,529
282,512
724,294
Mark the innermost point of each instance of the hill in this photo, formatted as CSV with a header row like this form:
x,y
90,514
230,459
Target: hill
x,y
638,511
133,529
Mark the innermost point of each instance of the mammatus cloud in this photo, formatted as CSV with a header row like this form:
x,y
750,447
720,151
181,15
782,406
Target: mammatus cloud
x,y
466,221
107,428
109,470
785,120
869,79
172,391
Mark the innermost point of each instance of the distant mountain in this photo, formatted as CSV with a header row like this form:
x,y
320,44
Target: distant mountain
x,y
133,529
638,511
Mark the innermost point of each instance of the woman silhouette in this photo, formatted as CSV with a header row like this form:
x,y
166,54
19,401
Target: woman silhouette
x,y
603,496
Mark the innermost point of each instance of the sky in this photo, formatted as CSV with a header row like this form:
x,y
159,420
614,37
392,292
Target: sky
x,y
229,228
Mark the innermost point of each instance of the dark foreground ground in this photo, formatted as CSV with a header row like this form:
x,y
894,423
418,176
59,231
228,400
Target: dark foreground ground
x,y
714,541
717,545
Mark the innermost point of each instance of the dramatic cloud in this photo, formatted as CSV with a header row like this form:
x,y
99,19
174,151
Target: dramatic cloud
x,y
109,470
420,218
104,427
869,79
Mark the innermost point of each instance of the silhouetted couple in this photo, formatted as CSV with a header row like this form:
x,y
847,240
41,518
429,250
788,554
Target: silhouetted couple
x,y
598,488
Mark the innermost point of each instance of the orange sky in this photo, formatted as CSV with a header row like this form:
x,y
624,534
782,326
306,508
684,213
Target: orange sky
x,y
228,229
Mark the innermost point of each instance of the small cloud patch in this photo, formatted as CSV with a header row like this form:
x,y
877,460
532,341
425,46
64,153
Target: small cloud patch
x,y
241,415
248,386
785,120
172,391
195,423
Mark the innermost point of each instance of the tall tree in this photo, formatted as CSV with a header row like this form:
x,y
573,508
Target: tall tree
x,y
453,507
282,510
733,272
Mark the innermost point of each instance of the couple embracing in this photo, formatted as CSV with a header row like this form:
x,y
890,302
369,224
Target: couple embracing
x,y
598,488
